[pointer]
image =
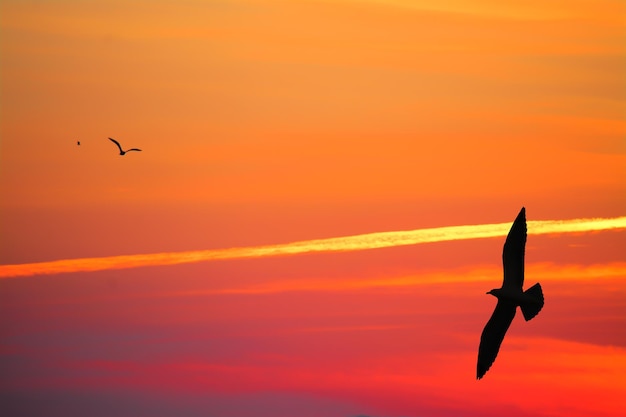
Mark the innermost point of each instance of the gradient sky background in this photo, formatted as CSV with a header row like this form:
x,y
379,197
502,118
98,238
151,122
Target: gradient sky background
x,y
267,122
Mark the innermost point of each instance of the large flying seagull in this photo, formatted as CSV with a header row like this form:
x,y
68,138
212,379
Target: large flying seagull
x,y
509,296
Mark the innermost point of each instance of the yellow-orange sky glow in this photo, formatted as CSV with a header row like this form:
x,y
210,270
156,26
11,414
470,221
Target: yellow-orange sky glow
x,y
318,209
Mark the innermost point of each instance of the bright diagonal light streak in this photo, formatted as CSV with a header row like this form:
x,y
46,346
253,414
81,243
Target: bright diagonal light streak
x,y
336,244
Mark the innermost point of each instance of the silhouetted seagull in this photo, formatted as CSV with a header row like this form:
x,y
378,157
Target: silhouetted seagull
x,y
122,152
509,296
78,142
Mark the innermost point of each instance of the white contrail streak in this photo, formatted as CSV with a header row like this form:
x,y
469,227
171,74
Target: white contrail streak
x,y
335,244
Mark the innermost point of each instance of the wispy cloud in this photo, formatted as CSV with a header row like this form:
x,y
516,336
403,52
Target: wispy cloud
x,y
531,10
545,272
335,244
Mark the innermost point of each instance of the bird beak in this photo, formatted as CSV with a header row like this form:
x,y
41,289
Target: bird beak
x,y
488,292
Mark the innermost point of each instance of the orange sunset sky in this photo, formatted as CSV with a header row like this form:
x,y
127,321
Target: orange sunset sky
x,y
320,122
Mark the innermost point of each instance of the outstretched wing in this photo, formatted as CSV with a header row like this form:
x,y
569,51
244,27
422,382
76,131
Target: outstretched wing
x,y
492,336
513,253
133,149
117,143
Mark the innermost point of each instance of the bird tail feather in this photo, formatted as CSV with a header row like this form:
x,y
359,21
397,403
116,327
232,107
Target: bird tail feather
x,y
534,302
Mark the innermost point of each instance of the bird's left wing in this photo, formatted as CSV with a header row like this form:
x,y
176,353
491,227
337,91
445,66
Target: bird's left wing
x,y
492,336
133,149
117,143
513,253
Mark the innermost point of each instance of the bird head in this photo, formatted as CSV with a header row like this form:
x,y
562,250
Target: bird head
x,y
493,292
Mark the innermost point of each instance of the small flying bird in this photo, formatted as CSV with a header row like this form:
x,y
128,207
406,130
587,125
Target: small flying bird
x,y
78,142
509,296
122,152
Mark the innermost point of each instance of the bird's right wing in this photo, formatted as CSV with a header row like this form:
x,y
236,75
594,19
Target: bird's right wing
x,y
493,335
513,253
133,149
117,143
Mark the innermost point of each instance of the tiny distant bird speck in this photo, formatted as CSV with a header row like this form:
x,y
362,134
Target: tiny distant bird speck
x,y
122,152
78,142
509,296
